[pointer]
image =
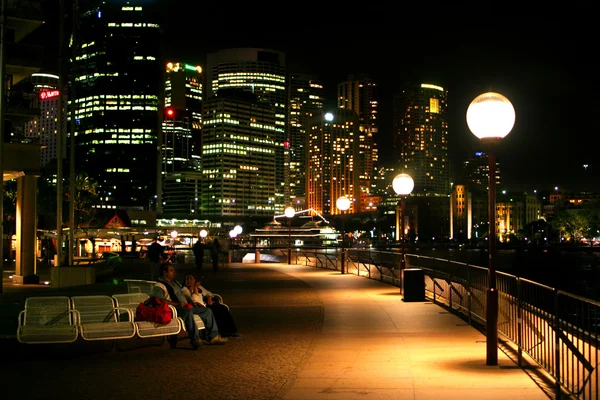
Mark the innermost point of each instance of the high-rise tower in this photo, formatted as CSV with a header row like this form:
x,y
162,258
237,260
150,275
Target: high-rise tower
x,y
261,72
359,94
332,153
118,85
238,155
306,100
181,170
421,137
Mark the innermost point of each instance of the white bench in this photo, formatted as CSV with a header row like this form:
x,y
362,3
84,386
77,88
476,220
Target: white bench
x,y
99,319
146,329
47,319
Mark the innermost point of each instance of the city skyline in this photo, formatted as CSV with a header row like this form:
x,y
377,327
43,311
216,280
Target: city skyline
x,y
540,66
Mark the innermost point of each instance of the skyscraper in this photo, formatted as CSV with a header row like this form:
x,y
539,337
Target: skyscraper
x,y
332,152
476,172
118,85
306,100
181,147
261,72
238,155
44,127
421,137
359,94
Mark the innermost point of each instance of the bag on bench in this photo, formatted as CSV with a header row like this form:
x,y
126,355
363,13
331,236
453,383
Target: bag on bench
x,y
154,310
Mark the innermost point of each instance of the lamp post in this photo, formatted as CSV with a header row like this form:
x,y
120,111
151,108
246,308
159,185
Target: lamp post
x,y
403,185
289,213
203,234
343,204
491,117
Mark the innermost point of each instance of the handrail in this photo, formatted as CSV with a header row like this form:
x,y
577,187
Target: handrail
x,y
558,330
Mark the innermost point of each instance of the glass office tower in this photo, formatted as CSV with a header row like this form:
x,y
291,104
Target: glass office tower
x,y
118,85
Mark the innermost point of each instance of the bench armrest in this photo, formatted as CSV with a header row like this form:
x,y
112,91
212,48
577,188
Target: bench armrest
x,y
124,310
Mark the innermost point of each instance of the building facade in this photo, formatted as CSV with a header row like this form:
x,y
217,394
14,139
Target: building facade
x,y
182,139
359,94
239,166
332,168
476,172
118,87
263,73
421,137
306,99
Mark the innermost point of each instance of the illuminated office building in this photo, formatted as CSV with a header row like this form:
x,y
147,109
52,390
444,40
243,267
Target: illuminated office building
x,y
261,72
332,152
421,137
117,86
476,172
181,146
358,94
44,128
306,100
239,166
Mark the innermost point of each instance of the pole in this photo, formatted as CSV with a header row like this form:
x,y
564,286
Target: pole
x,y
2,133
72,142
402,260
289,241
343,245
492,293
59,137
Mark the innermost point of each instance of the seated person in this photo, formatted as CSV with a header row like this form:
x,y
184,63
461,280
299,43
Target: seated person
x,y
201,297
169,290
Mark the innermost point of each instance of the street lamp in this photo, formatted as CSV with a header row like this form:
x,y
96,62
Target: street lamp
x,y
203,234
289,213
343,204
403,185
491,117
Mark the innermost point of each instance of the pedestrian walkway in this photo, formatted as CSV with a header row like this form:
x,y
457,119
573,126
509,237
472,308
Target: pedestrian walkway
x,y
306,334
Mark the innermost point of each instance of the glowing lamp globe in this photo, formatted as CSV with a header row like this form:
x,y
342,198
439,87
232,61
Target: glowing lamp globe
x,y
342,203
232,234
203,233
490,116
290,212
174,234
238,230
403,184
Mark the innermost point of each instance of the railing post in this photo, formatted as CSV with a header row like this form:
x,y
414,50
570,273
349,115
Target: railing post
x,y
556,346
519,324
469,290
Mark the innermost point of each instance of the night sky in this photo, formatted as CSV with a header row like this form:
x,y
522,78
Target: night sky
x,y
543,61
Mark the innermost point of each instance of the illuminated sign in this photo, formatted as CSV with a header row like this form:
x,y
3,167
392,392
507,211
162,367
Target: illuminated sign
x,y
49,94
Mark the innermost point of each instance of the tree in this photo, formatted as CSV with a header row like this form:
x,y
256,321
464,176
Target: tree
x,y
574,224
86,195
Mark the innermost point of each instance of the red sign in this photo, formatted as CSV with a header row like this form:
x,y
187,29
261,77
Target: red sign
x,y
49,94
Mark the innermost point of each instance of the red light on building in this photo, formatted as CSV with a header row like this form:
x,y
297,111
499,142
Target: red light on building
x,y
170,112
49,94
286,145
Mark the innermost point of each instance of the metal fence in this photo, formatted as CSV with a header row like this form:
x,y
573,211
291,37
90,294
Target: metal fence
x,y
557,330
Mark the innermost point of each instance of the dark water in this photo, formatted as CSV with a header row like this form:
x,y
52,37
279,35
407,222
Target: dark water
x,y
574,271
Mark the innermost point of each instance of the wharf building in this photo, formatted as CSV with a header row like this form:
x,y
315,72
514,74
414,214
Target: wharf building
x,y
333,149
421,145
181,172
117,74
262,73
306,97
359,94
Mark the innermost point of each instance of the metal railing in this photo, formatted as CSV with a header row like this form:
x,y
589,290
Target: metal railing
x,y
557,330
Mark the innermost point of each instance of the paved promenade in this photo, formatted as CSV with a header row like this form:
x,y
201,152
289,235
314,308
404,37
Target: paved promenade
x,y
306,334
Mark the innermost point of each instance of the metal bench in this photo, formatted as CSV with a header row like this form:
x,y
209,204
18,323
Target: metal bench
x,y
146,329
48,319
99,319
139,286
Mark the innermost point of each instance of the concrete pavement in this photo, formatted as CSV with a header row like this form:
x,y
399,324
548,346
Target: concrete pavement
x,y
306,334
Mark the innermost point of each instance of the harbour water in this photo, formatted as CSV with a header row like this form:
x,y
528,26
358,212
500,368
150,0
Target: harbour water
x,y
576,271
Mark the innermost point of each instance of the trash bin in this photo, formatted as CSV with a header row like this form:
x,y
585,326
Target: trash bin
x,y
413,284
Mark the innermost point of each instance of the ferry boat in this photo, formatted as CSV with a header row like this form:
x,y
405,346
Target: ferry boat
x,y
312,233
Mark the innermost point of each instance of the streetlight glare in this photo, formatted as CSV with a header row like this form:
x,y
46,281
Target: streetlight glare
x,y
203,233
238,229
289,212
342,203
403,184
490,116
